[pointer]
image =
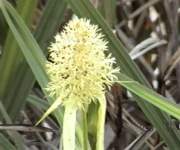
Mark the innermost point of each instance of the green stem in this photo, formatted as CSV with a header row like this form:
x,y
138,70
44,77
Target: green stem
x,y
85,131
100,124
69,126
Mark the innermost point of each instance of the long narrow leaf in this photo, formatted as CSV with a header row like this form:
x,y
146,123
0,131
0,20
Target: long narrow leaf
x,y
15,136
52,17
5,144
35,57
150,96
11,62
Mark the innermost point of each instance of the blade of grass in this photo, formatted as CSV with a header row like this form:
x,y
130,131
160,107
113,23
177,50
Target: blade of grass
x,y
4,29
15,136
108,11
52,17
5,144
38,102
11,61
150,96
84,8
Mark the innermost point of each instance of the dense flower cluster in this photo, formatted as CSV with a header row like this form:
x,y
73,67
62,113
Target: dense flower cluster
x,y
78,68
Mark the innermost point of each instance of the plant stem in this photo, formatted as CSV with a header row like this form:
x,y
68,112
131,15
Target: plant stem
x,y
100,124
85,131
69,128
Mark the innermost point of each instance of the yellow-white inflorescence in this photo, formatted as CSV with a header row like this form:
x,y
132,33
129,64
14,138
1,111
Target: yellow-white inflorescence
x,y
78,68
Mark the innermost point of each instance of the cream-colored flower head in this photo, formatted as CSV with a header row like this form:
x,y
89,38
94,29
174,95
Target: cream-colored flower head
x,y
78,68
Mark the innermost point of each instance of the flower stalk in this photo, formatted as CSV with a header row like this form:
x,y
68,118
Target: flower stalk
x,y
85,131
80,72
101,124
69,128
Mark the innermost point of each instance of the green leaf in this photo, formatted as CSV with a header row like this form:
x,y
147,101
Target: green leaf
x,y
5,144
11,62
150,96
53,16
108,11
15,136
52,108
38,102
26,41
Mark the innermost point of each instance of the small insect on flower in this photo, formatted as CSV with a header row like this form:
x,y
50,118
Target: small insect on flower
x,y
78,68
